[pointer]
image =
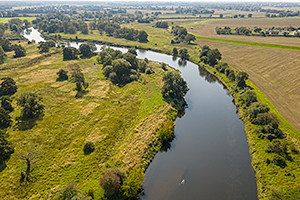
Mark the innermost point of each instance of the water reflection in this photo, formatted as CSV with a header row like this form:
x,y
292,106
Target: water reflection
x,y
208,76
182,63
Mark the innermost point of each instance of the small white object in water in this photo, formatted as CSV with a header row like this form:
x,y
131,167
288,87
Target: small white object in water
x,y
182,182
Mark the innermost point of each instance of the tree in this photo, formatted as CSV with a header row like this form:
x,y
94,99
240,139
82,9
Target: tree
x,y
213,56
174,86
87,49
6,103
121,68
221,15
110,183
29,158
6,45
6,149
249,15
189,37
62,75
132,183
248,98
70,192
255,108
79,80
183,54
142,36
31,105
70,53
240,79
8,86
44,47
5,118
175,52
19,51
2,55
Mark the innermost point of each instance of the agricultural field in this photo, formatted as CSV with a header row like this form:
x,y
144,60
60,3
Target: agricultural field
x,y
207,29
120,121
274,71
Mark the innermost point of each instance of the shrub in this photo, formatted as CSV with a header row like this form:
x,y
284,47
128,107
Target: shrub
x,y
270,131
294,149
70,192
279,161
88,147
62,75
143,66
31,105
248,97
163,66
110,183
166,131
255,108
8,86
277,147
133,182
148,71
265,118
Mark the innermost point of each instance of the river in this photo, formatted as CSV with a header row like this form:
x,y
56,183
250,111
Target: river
x,y
209,158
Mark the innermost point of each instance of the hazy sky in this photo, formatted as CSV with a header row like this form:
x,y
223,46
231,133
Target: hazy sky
x,y
239,1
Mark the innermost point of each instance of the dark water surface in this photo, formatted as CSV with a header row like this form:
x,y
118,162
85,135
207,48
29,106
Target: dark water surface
x,y
209,158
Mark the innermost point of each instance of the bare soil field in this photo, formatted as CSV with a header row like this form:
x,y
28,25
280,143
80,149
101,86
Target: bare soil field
x,y
276,72
207,29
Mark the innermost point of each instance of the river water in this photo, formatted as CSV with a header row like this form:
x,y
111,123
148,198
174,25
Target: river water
x,y
209,158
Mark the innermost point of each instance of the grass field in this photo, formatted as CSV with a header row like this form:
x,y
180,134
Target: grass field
x,y
207,29
5,20
120,121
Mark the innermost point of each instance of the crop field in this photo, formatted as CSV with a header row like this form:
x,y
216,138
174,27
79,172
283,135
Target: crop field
x,y
119,120
275,72
207,29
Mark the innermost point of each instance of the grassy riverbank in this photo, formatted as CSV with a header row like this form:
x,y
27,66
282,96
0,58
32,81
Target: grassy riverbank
x,y
121,121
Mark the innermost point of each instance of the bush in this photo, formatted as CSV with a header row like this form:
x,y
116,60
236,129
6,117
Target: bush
x,y
62,75
8,86
248,97
88,147
132,184
31,105
279,161
70,192
265,118
148,71
166,131
277,147
255,108
270,131
110,183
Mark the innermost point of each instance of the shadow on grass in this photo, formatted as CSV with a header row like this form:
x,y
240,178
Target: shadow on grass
x,y
26,124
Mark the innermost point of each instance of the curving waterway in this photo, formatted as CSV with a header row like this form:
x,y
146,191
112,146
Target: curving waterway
x,y
209,158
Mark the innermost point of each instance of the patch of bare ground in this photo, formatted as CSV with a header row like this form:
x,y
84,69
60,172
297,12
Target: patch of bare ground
x,y
275,72
43,75
99,89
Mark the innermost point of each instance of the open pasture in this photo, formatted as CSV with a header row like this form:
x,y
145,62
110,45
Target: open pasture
x,y
275,72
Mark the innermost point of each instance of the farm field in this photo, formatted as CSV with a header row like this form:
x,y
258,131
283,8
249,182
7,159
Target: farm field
x,y
119,120
275,72
207,29
5,20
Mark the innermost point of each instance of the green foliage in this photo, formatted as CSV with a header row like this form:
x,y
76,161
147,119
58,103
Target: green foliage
x,y
6,103
87,49
19,51
240,79
88,147
6,149
8,86
142,36
70,53
277,147
166,131
132,184
44,47
110,183
174,86
248,97
5,118
62,75
164,66
2,55
210,56
148,71
265,118
222,66
175,52
161,24
142,66
31,105
279,161
255,108
183,54
70,192
6,45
